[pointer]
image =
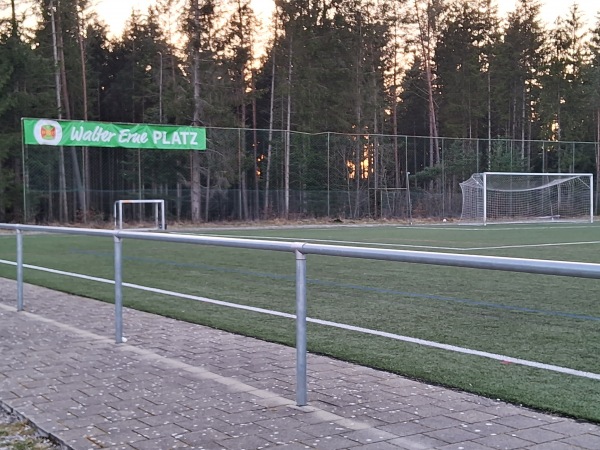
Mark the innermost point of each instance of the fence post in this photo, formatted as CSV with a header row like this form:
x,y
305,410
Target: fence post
x,y
301,379
19,270
118,290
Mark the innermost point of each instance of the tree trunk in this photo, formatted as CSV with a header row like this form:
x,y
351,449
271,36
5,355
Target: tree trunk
x,y
196,193
597,157
178,201
67,110
207,196
84,150
287,138
242,172
256,206
270,144
523,116
359,112
424,39
63,206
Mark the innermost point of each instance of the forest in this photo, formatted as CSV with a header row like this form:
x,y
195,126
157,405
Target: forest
x,y
340,109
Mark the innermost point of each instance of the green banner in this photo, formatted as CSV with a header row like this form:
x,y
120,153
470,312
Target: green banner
x,y
74,133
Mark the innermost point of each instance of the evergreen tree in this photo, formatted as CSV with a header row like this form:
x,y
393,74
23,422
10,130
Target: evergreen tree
x,y
413,114
461,57
515,79
562,102
427,16
24,81
592,88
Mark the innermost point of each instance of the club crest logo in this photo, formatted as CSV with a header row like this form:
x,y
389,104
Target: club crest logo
x,y
47,132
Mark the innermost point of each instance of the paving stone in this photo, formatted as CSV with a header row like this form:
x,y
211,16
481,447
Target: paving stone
x,y
244,443
121,425
503,441
470,445
570,427
378,446
453,435
323,430
82,422
588,441
427,410
552,445
538,435
390,417
417,442
440,422
160,431
120,447
333,443
520,421
286,437
406,429
162,443
118,438
369,436
487,428
203,437
471,416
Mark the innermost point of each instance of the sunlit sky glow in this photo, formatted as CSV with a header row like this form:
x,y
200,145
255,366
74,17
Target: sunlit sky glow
x,y
116,12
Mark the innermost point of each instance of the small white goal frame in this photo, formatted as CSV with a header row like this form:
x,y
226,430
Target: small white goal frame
x,y
476,207
159,212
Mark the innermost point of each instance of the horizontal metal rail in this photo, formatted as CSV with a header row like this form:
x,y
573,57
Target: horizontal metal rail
x,y
300,250
536,266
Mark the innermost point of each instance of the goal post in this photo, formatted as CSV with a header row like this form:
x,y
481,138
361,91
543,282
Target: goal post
x,y
517,197
156,216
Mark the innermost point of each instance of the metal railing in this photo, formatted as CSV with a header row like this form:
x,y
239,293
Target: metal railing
x,y
300,250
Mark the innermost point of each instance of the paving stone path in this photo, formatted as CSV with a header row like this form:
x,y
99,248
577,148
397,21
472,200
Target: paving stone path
x,y
179,385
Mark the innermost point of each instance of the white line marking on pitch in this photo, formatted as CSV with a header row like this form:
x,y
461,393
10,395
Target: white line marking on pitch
x,y
361,243
426,247
556,244
493,227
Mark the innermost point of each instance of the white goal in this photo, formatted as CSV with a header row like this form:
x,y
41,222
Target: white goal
x,y
148,215
525,197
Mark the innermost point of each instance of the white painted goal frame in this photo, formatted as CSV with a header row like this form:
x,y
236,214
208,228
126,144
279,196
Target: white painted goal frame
x,y
515,197
159,213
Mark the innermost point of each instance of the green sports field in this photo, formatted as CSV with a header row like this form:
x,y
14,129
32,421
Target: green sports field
x,y
539,318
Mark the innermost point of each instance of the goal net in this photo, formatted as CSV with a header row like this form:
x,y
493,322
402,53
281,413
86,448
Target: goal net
x,y
140,214
524,197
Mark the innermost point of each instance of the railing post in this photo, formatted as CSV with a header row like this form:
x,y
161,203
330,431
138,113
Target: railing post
x,y
118,290
19,270
301,379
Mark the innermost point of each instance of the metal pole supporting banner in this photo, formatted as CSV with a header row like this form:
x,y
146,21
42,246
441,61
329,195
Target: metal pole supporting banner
x,y
118,290
591,198
301,379
156,225
120,215
19,270
484,198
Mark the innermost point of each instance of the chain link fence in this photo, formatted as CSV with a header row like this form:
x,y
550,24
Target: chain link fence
x,y
250,174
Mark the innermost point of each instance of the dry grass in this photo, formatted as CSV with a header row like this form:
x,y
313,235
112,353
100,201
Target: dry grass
x,y
17,434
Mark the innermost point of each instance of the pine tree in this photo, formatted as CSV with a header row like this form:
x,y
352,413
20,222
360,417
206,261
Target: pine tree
x,y
562,102
24,81
515,78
